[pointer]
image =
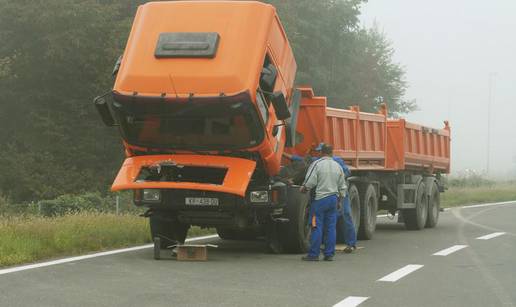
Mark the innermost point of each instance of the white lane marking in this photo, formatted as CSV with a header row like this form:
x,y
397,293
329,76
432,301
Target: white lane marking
x,y
78,258
450,250
404,271
512,202
490,236
351,301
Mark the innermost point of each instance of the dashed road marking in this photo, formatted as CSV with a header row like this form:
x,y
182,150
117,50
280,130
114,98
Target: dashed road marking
x,y
351,301
491,236
450,250
404,271
78,258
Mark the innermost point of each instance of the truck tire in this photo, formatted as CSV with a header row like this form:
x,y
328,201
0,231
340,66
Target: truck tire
x,y
415,219
434,207
354,202
169,230
368,209
294,236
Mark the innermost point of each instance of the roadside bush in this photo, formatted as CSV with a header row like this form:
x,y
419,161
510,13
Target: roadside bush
x,y
7,207
70,204
3,204
470,178
88,202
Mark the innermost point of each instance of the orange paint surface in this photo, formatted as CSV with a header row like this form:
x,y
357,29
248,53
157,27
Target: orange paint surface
x,y
236,180
368,141
249,32
247,29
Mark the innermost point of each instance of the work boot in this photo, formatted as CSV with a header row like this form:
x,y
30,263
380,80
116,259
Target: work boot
x,y
349,249
328,258
310,258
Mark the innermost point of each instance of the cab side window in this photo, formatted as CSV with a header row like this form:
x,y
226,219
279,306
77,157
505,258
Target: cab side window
x,y
263,106
268,78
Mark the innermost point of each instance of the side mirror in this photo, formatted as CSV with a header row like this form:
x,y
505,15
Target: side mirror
x,y
280,106
102,107
268,78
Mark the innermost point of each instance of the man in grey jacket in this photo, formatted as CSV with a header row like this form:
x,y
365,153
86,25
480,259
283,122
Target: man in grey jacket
x,y
328,179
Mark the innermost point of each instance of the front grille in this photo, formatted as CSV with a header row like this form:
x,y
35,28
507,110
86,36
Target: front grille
x,y
183,173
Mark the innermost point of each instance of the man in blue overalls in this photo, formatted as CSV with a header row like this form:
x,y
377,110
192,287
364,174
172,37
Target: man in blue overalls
x,y
328,179
345,229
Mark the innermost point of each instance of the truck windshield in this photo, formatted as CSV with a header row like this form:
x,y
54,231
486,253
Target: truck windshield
x,y
218,123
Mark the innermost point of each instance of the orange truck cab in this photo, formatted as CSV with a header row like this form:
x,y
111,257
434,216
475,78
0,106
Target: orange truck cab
x,y
205,102
202,99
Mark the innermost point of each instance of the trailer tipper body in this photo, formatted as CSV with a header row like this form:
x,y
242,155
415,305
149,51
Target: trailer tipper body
x,y
205,102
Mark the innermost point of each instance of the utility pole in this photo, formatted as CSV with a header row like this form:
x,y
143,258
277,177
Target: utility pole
x,y
492,80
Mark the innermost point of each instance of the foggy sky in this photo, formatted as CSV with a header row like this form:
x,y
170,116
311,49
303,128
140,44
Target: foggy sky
x,y
449,48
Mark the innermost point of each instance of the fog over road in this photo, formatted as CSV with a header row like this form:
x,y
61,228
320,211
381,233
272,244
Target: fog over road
x,y
468,260
452,51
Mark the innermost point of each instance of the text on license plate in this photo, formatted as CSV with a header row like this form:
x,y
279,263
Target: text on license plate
x,y
201,201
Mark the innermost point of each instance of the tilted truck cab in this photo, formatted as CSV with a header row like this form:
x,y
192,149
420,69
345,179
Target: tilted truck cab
x,y
201,96
205,102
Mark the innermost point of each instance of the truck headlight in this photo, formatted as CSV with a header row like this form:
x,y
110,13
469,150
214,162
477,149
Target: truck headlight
x,y
153,195
259,196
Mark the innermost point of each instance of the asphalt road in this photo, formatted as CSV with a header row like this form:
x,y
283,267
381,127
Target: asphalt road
x,y
473,272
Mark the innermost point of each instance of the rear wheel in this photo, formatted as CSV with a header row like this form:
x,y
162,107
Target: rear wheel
x,y
368,208
434,207
415,219
169,230
354,202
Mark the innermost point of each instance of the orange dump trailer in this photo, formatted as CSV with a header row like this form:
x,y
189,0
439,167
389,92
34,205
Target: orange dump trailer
x,y
205,102
395,165
371,142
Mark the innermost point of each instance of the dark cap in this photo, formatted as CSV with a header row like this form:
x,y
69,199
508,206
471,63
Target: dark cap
x,y
324,148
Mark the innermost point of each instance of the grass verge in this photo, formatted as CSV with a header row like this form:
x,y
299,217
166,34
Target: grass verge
x,y
463,196
31,238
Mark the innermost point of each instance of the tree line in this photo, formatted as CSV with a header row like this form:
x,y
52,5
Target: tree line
x,y
55,56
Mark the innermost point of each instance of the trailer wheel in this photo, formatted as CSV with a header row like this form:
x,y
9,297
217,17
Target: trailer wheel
x,y
294,236
368,208
169,230
354,202
415,219
434,206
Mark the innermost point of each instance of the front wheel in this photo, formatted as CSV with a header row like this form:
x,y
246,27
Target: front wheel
x,y
293,236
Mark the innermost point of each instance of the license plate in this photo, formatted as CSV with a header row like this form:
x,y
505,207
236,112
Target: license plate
x,y
201,201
